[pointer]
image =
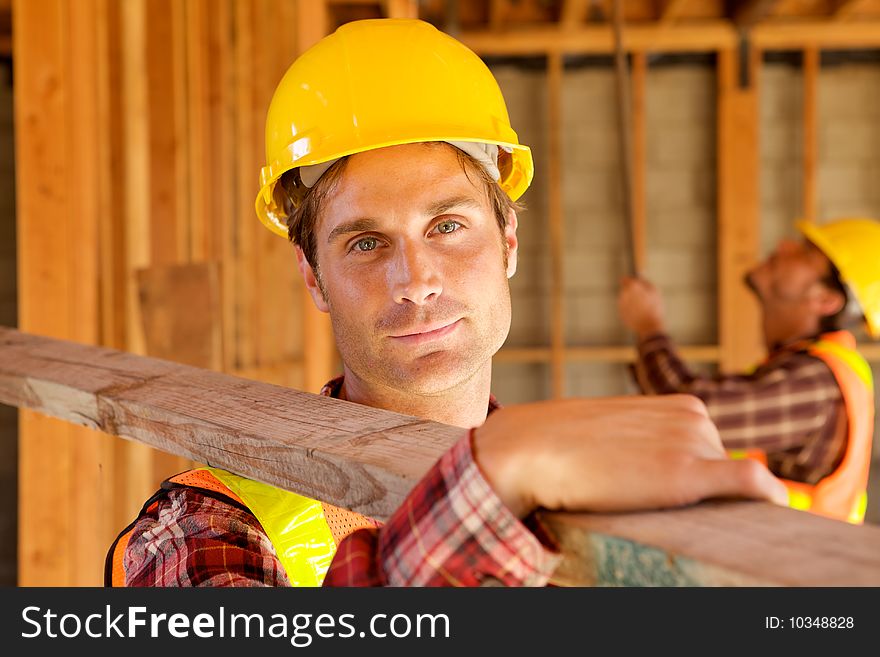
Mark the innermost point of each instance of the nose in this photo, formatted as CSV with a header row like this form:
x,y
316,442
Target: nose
x,y
414,275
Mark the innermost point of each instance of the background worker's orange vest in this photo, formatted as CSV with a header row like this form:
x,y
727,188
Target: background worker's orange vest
x,y
843,493
304,532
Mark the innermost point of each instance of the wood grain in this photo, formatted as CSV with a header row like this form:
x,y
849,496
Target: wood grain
x,y
367,460
739,207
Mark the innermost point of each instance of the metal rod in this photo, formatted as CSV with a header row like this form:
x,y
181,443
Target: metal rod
x,y
624,113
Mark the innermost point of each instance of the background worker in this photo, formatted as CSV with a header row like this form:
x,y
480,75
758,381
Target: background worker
x,y
392,166
808,409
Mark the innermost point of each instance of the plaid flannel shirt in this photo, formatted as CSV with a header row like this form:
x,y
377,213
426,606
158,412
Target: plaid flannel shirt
x,y
790,406
451,530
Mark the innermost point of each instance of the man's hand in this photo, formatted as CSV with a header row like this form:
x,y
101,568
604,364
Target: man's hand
x,y
613,454
641,307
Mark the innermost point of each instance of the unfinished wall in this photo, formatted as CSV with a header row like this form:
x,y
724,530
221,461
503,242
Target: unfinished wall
x,y
681,202
680,120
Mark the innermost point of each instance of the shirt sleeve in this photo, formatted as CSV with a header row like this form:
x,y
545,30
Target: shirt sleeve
x,y
451,530
190,539
783,405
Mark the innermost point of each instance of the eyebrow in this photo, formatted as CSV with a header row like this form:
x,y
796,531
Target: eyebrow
x,y
446,205
365,224
356,226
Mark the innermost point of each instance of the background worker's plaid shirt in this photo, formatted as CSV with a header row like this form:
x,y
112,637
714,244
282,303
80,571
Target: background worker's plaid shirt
x,y
452,530
790,406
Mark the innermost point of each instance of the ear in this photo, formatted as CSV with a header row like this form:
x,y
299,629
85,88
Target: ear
x,y
311,281
512,242
828,302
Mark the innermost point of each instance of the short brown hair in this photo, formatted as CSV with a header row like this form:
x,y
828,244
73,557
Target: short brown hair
x,y
303,205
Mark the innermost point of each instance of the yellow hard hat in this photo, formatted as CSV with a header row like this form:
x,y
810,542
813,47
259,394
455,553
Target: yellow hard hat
x,y
853,245
377,83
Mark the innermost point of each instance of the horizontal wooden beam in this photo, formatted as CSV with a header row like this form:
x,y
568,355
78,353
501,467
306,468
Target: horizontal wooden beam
x,y
844,9
343,453
622,354
697,36
707,544
691,36
672,11
367,460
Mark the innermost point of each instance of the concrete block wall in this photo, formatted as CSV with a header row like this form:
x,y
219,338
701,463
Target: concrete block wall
x,y
680,117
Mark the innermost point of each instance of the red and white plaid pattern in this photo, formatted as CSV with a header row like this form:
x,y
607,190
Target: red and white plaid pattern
x,y
190,539
452,530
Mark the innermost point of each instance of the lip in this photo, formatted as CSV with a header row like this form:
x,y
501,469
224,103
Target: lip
x,y
427,333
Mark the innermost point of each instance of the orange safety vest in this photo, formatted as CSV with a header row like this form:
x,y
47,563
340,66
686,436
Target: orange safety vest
x,y
304,532
841,495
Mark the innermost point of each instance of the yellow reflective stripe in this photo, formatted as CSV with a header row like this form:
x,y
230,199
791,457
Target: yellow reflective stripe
x,y
737,454
799,500
295,525
857,516
851,357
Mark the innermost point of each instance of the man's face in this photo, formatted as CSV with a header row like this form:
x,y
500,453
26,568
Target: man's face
x,y
792,274
413,269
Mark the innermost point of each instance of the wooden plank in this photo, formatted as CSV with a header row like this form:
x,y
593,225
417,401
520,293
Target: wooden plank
x,y
707,544
700,354
696,36
112,280
845,10
162,69
639,162
344,453
739,204
169,190
137,140
367,459
750,13
223,47
249,150
90,456
401,8
672,11
810,133
59,175
145,138
703,36
820,34
112,277
555,70
180,308
573,13
199,188
42,280
498,13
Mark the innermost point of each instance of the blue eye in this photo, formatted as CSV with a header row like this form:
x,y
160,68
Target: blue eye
x,y
366,244
448,226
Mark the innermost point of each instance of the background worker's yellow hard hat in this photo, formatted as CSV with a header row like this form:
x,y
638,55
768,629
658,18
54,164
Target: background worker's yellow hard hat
x,y
377,83
853,245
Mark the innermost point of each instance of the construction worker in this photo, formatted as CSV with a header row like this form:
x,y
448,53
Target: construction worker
x,y
807,410
392,166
